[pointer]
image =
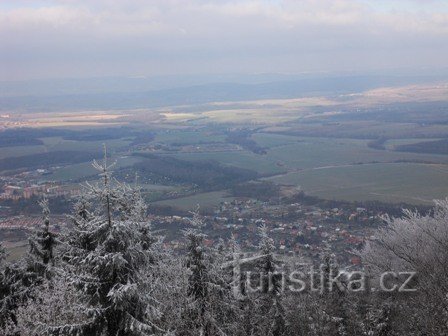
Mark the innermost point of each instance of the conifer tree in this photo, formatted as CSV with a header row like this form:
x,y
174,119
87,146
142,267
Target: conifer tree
x,y
333,296
269,280
2,255
4,288
272,313
42,244
109,250
243,304
19,279
209,310
198,281
383,326
235,276
16,285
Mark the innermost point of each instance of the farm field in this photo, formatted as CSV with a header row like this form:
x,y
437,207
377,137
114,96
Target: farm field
x,y
84,170
271,140
322,143
187,137
295,153
205,200
16,151
396,182
317,152
55,144
59,144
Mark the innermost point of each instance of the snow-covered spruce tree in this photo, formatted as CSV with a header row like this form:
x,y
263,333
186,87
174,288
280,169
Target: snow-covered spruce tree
x,y
16,285
2,255
18,279
379,319
4,290
243,304
209,298
270,310
11,291
227,311
42,245
108,253
235,276
333,296
54,303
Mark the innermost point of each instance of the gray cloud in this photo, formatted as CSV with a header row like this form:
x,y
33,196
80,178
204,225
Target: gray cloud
x,y
70,38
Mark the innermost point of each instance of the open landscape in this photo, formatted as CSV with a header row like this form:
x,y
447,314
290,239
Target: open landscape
x,y
223,168
366,142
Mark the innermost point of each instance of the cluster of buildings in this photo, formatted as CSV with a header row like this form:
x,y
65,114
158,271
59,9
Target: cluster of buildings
x,y
297,229
20,222
26,191
25,185
188,148
31,222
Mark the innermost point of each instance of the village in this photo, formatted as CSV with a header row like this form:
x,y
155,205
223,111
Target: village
x,y
297,229
32,183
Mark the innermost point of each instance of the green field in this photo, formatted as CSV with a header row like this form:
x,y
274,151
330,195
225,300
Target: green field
x,y
53,144
187,137
270,140
325,167
410,183
319,152
390,144
293,153
330,168
205,200
16,151
83,170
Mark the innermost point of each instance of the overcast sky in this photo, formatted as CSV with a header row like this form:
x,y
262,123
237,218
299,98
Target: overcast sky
x,y
90,38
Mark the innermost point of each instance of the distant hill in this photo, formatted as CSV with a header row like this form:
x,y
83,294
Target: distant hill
x,y
126,97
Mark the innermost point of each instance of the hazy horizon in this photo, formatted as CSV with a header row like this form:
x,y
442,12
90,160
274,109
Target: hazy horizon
x,y
80,39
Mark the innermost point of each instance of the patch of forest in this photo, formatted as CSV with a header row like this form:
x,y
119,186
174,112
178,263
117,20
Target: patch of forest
x,y
207,175
99,134
429,147
378,143
31,136
143,138
30,206
45,160
25,136
241,138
